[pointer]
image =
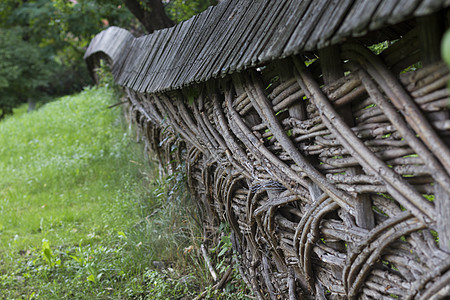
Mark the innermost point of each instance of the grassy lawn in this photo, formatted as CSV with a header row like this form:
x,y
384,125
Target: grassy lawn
x,y
64,172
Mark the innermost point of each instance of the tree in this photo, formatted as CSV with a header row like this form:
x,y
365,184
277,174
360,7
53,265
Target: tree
x,y
150,13
157,14
181,10
21,70
45,43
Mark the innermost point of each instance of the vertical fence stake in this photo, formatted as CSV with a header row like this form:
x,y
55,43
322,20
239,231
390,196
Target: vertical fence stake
x,y
332,70
430,30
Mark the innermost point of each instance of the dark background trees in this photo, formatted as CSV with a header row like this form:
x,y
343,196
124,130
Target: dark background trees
x,y
42,42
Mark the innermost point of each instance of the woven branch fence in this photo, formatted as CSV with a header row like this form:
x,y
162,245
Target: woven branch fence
x,y
330,162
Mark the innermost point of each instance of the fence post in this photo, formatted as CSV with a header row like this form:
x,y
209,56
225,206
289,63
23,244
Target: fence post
x,y
332,70
430,29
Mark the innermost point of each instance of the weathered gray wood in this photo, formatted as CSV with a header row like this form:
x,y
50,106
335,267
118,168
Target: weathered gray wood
x,y
358,19
262,29
194,33
392,12
235,45
429,6
198,41
147,58
306,26
203,49
235,27
172,53
284,30
279,29
153,47
197,37
209,50
249,39
159,59
430,30
335,13
278,17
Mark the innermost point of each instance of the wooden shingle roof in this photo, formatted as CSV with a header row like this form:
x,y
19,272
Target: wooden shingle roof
x,y
236,35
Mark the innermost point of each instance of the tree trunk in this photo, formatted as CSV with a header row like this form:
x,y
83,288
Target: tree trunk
x,y
150,13
31,105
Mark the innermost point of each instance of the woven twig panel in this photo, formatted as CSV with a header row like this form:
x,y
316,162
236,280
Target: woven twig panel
x,y
331,190
332,167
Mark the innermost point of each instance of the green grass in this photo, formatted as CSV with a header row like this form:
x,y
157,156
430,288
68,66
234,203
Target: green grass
x,y
64,173
69,183
83,215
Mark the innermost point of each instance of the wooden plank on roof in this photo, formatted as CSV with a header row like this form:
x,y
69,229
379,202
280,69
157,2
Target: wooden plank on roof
x,y
159,56
174,52
252,35
175,34
193,43
262,30
132,61
120,66
357,20
189,33
143,60
402,11
230,40
152,48
429,6
236,38
216,46
209,46
128,63
285,29
277,18
136,63
206,35
199,47
258,10
306,27
379,17
332,17
162,43
149,68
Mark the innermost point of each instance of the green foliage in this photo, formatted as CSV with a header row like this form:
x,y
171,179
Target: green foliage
x,y
235,288
380,47
445,47
49,39
21,70
181,10
168,284
47,253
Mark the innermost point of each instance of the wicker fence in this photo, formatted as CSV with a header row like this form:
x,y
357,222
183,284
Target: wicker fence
x,y
330,162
